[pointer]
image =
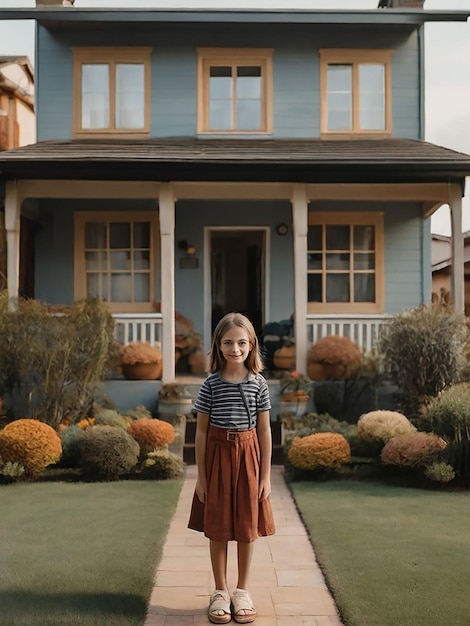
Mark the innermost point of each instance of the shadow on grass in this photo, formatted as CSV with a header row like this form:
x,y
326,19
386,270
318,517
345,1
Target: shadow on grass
x,y
41,606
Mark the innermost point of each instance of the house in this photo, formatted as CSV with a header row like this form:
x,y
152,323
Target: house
x,y
202,161
442,268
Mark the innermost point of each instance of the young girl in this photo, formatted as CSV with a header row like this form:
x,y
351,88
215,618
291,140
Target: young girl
x,y
233,457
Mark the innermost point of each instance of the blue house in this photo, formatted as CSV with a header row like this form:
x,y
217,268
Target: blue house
x,y
203,161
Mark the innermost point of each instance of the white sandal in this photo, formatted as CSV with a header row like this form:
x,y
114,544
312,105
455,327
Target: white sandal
x,y
241,601
219,607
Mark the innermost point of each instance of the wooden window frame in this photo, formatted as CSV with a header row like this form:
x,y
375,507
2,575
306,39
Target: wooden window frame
x,y
209,57
373,218
355,58
112,57
80,274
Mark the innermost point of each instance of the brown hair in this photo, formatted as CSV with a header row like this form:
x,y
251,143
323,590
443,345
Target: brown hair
x,y
253,361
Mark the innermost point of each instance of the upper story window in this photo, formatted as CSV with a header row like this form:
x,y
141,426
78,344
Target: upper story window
x,y
355,91
345,262
234,90
111,91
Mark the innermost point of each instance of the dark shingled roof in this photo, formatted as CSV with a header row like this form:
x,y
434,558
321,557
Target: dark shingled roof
x,y
242,159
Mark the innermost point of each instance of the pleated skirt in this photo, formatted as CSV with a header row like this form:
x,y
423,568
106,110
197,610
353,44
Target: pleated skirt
x,y
232,511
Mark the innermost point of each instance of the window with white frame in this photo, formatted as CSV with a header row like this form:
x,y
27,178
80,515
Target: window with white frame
x,y
116,259
111,91
234,90
355,91
345,262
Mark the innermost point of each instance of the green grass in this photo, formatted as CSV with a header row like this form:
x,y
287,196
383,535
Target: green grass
x,y
392,556
81,554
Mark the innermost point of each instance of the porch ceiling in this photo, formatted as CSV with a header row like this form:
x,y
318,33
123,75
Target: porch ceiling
x,y
240,160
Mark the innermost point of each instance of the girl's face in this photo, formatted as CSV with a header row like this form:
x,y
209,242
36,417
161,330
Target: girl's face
x,y
235,345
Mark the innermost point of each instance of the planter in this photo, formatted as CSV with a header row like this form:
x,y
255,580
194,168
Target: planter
x,y
171,408
284,358
142,371
294,403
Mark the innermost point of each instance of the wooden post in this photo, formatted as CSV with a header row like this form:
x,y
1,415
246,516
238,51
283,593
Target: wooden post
x,y
458,274
167,232
300,227
12,226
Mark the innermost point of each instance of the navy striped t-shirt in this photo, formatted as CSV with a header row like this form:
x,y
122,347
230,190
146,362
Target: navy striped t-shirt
x,y
223,401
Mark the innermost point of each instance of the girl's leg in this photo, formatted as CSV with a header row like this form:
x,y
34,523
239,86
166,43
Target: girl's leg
x,y
218,551
243,610
244,553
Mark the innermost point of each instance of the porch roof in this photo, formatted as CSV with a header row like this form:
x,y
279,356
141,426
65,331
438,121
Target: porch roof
x,y
241,160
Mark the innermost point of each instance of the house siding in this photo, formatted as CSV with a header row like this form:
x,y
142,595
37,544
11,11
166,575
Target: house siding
x,y
296,98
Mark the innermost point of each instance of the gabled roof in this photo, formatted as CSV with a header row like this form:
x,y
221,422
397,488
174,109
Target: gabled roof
x,y
22,61
294,160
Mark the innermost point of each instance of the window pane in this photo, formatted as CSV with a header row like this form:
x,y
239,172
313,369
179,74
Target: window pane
x,y
95,96
220,115
364,237
249,82
95,235
120,235
141,260
130,95
121,285
220,82
337,288
339,97
248,114
141,288
141,235
314,261
337,261
92,260
364,261
120,260
97,286
314,287
314,241
337,238
372,96
364,288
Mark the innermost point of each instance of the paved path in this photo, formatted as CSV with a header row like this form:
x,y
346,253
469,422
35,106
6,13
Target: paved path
x,y
286,583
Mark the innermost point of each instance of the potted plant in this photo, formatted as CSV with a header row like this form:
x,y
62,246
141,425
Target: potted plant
x,y
333,358
141,361
295,393
174,399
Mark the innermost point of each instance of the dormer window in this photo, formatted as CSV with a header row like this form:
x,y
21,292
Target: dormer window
x,y
234,90
355,92
111,91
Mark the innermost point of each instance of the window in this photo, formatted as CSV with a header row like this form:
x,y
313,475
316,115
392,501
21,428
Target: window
x,y
116,258
111,91
355,91
345,262
234,90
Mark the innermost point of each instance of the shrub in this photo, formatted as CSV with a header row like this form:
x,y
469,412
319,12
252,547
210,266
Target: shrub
x,y
423,352
440,472
138,412
412,450
138,352
50,364
448,415
70,437
30,443
319,451
162,464
335,349
9,472
151,434
111,417
327,398
383,425
107,452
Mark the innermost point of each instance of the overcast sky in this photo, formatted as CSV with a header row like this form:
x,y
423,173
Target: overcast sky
x,y
447,64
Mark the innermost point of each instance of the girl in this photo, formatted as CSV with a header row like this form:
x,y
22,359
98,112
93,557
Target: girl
x,y
233,457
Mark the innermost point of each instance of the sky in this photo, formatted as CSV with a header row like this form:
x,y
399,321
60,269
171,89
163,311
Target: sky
x,y
447,65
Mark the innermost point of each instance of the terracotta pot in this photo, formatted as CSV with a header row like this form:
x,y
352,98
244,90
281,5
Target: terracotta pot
x,y
295,396
142,371
284,358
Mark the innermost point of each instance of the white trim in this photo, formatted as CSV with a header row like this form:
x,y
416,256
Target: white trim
x,y
300,226
13,202
166,203
458,270
207,306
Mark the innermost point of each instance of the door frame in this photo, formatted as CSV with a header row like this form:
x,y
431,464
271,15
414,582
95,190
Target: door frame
x,y
207,307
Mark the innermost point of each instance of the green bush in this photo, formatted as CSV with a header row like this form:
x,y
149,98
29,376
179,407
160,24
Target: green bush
x,y
51,362
30,443
161,464
440,472
448,415
423,352
107,452
70,437
327,398
383,425
110,417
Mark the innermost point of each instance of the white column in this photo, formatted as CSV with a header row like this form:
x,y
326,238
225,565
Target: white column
x,y
167,233
12,227
458,274
300,228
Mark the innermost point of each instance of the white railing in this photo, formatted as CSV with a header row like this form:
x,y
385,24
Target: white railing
x,y
362,329
139,327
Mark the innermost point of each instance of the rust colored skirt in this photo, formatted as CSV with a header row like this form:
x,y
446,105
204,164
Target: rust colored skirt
x,y
232,511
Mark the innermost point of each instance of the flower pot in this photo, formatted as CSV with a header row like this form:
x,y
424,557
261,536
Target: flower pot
x,y
178,406
142,371
294,402
284,358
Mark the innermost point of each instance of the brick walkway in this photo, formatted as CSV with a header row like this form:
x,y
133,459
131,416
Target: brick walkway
x,y
286,583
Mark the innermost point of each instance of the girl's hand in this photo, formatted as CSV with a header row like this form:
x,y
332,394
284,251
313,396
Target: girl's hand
x,y
201,490
264,489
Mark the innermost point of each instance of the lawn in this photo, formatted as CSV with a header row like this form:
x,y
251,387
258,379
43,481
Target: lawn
x,y
81,554
392,556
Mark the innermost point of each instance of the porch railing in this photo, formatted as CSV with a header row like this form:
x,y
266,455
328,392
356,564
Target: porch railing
x,y
136,327
362,329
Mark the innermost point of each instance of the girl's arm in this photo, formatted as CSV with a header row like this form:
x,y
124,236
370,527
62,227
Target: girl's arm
x,y
265,445
200,447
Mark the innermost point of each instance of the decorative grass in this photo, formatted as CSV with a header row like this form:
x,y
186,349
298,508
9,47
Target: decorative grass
x,y
81,554
392,556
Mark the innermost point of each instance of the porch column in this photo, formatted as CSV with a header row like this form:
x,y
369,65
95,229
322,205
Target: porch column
x,y
457,279
167,233
12,227
300,231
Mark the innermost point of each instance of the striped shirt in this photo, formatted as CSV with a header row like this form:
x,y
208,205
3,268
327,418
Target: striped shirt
x,y
223,401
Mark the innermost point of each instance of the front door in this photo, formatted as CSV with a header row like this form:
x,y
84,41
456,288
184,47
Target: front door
x,y
237,276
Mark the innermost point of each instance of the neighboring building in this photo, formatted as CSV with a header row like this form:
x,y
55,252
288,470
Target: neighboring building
x,y
200,161
442,269
17,118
